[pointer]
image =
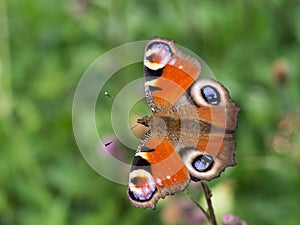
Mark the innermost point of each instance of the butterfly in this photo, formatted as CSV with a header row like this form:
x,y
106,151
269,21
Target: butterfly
x,y
191,129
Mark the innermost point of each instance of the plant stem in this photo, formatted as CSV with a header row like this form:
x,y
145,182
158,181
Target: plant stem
x,y
208,195
210,215
198,205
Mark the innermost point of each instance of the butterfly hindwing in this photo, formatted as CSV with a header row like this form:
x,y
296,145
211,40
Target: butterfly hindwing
x,y
212,148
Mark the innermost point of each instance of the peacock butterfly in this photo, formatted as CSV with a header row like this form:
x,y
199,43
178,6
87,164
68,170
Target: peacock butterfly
x,y
191,130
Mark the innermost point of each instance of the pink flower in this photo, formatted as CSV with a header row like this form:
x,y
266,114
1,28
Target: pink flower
x,y
231,219
111,146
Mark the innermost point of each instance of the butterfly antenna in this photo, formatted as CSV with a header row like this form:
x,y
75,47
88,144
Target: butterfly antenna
x,y
112,98
108,143
134,126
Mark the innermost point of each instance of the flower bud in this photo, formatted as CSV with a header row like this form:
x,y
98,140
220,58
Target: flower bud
x,y
280,71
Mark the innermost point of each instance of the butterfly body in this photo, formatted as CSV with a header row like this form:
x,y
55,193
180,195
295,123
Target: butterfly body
x,y
190,133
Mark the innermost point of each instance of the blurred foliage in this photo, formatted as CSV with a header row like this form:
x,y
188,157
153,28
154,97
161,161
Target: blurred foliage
x,y
45,47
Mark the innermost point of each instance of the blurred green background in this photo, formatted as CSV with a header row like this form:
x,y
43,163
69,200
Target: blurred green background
x,y
45,46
